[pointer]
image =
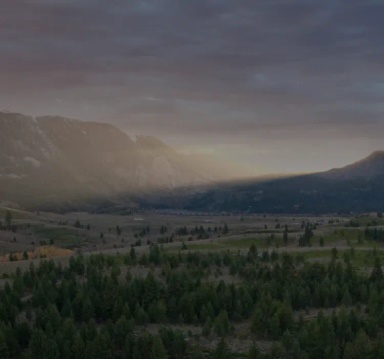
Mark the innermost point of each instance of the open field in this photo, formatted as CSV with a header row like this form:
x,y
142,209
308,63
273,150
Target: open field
x,y
94,233
262,275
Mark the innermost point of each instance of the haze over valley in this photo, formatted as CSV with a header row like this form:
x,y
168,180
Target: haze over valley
x,y
58,161
191,179
64,165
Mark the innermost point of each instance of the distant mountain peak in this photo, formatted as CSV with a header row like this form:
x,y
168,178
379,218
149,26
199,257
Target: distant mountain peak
x,y
376,155
355,188
151,143
370,166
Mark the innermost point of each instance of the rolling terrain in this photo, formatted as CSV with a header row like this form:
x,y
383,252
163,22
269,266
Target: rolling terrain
x,y
355,188
62,164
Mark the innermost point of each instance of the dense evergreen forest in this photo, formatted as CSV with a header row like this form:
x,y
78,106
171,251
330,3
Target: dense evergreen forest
x,y
102,307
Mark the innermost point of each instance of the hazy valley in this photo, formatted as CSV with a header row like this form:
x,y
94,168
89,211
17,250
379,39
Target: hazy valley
x,y
60,163
191,179
121,248
64,165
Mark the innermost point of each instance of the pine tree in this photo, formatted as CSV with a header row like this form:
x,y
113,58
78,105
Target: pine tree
x,y
254,352
221,351
132,254
285,236
158,350
8,220
4,352
37,344
377,271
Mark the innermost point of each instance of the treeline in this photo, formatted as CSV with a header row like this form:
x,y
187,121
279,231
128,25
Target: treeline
x,y
8,222
374,234
95,308
371,223
202,232
197,232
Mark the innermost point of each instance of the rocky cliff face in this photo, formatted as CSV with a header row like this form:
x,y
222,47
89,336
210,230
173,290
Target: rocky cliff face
x,y
58,160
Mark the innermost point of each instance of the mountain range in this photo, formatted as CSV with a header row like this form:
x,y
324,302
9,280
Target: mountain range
x,y
64,164
58,162
357,188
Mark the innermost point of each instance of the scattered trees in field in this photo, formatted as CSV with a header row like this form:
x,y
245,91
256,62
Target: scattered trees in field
x,y
97,307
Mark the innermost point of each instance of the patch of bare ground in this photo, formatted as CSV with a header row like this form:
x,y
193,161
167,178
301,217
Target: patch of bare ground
x,y
240,341
313,313
223,274
142,272
8,268
40,252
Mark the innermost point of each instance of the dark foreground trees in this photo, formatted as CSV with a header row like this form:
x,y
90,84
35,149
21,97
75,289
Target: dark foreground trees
x,y
97,308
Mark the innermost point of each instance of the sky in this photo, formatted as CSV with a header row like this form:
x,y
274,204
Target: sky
x,y
279,86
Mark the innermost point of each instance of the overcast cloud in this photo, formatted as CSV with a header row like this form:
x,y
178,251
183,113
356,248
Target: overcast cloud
x,y
293,85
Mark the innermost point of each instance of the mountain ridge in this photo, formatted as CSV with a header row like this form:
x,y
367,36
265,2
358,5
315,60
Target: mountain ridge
x,y
65,164
353,188
370,166
52,159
